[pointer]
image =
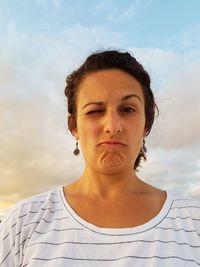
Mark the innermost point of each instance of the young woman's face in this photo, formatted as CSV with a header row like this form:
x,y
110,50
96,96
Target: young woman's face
x,y
110,109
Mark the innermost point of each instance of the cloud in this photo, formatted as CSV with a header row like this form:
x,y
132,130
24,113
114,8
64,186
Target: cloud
x,y
36,148
57,3
92,38
175,82
174,144
173,170
179,106
188,39
36,153
45,3
118,12
41,3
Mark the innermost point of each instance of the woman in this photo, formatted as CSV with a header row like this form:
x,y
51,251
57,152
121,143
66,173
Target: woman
x,y
107,217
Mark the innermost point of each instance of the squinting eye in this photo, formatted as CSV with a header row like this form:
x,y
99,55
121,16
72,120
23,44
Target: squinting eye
x,y
128,109
95,111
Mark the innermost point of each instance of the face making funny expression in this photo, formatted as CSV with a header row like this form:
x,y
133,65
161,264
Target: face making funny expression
x,y
110,120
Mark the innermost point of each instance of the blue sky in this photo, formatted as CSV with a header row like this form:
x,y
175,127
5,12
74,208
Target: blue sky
x,y
41,41
142,23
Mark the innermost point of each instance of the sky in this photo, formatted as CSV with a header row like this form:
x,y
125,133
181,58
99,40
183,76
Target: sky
x,y
42,41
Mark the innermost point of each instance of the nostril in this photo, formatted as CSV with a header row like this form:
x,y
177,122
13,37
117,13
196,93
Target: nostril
x,y
114,130
112,123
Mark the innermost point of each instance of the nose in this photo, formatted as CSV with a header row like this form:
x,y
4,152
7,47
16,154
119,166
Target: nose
x,y
112,123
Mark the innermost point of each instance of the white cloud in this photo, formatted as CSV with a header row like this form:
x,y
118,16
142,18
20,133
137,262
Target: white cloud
x,y
127,13
36,154
116,12
174,143
92,38
57,3
179,106
188,39
45,3
42,3
175,82
195,190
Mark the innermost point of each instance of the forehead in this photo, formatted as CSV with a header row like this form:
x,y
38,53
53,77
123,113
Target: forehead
x,y
108,83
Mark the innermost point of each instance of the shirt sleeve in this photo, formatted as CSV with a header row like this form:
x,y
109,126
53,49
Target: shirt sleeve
x,y
9,240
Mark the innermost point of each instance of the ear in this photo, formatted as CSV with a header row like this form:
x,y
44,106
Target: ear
x,y
72,126
75,134
144,132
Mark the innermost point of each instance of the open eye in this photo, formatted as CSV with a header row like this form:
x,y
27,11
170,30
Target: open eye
x,y
128,109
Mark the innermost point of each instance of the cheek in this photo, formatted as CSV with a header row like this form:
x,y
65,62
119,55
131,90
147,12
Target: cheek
x,y
137,125
88,129
95,130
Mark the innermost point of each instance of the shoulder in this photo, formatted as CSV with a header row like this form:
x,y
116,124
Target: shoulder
x,y
184,203
184,212
26,218
31,210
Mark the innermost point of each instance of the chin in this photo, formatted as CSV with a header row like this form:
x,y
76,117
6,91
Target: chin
x,y
112,168
112,164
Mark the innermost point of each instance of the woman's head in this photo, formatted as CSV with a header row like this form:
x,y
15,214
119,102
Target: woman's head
x,y
111,60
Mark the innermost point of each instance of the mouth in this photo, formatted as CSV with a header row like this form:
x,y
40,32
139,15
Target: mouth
x,y
112,143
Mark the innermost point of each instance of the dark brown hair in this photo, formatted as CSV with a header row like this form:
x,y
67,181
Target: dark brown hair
x,y
112,59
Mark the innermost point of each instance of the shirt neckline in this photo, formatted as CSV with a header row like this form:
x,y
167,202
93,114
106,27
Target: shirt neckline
x,y
118,231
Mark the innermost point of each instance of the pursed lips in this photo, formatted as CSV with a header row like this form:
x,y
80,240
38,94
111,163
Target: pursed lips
x,y
111,142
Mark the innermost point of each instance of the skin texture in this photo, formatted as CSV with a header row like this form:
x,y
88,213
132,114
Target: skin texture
x,y
113,120
108,181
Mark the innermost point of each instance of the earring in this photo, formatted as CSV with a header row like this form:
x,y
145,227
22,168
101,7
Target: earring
x,y
76,150
144,149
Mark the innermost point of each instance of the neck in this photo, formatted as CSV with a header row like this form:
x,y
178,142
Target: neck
x,y
109,186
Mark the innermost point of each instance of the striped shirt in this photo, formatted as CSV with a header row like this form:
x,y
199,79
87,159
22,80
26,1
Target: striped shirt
x,y
45,231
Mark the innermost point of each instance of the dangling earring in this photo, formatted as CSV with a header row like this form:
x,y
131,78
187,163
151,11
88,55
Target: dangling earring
x,y
76,150
144,149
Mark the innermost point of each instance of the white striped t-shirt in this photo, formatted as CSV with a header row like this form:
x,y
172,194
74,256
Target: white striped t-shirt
x,y
45,231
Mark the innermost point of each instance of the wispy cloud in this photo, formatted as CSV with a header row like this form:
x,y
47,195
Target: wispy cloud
x,y
188,39
125,14
174,142
36,153
36,149
116,12
45,3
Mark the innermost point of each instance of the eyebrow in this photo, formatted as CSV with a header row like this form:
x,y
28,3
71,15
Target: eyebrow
x,y
101,102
